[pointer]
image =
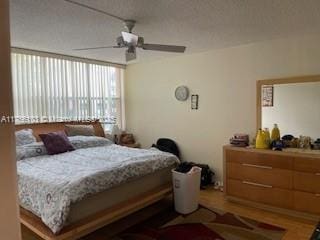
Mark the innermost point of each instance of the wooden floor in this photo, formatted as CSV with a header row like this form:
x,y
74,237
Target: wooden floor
x,y
297,229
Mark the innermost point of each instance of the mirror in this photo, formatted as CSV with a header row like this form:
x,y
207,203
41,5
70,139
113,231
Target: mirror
x,y
291,103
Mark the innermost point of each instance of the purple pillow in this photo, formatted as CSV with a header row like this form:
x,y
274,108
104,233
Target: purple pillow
x,y
56,142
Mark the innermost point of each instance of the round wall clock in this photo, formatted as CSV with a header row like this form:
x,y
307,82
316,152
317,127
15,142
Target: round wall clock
x,y
182,93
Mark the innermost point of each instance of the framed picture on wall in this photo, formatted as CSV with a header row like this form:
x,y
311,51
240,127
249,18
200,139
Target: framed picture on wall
x,y
267,96
194,101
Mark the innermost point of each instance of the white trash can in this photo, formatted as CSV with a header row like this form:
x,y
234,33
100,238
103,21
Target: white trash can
x,y
186,190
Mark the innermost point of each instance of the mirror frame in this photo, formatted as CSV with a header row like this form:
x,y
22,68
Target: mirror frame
x,y
260,83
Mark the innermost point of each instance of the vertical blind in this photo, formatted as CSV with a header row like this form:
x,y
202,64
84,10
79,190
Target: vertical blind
x,y
48,89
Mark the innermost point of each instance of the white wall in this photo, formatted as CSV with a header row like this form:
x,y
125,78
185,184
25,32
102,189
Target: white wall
x,y
226,83
9,223
295,109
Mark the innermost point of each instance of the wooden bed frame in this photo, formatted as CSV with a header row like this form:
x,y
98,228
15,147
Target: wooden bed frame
x,y
97,220
39,128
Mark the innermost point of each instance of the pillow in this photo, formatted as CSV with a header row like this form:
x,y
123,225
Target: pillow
x,y
89,141
30,150
24,136
56,142
79,130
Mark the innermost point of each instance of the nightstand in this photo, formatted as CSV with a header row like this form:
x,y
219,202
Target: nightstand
x,y
133,145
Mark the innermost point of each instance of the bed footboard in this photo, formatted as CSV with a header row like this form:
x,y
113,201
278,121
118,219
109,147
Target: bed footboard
x,y
97,220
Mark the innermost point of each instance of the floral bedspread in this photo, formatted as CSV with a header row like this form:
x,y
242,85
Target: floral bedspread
x,y
48,185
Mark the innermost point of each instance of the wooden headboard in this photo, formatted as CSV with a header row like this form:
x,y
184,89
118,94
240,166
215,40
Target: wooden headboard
x,y
39,128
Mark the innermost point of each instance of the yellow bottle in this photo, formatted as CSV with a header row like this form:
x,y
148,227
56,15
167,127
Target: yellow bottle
x,y
267,137
260,140
275,133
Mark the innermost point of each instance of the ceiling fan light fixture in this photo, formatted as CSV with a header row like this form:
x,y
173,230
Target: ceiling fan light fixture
x,y
131,53
130,38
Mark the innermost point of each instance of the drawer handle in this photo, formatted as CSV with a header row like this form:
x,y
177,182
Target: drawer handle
x,y
256,166
257,184
318,174
317,194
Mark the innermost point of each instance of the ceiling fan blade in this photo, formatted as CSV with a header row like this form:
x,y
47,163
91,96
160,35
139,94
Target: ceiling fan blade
x,y
94,9
94,48
131,54
130,38
165,48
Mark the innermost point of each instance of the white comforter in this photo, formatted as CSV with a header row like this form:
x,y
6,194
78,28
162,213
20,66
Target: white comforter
x,y
49,184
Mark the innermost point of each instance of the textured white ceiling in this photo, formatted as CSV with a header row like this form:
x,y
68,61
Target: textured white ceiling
x,y
58,26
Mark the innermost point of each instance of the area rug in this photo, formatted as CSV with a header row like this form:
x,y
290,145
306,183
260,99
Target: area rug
x,y
203,224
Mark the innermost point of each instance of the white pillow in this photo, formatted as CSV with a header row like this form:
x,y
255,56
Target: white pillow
x,y
30,150
24,136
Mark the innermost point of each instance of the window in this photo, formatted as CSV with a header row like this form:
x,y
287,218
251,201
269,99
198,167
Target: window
x,y
50,89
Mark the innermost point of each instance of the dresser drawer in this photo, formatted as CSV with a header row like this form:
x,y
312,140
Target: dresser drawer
x,y
304,164
260,193
275,177
306,182
264,159
307,202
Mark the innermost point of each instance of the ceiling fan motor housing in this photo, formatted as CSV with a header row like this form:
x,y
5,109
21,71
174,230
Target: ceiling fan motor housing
x,y
122,43
129,24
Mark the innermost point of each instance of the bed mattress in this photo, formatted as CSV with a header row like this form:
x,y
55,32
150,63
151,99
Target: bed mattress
x,y
118,194
56,187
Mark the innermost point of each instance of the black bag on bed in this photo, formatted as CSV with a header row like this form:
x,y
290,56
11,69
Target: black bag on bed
x,y
167,145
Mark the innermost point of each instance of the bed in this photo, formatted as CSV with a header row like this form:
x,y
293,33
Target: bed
x,y
69,195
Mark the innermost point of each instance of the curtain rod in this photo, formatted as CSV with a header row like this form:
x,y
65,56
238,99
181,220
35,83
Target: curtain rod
x,y
65,57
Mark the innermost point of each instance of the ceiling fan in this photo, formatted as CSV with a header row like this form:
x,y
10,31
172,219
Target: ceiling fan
x,y
129,40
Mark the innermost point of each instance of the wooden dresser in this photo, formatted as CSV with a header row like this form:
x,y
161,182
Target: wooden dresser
x,y
277,181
